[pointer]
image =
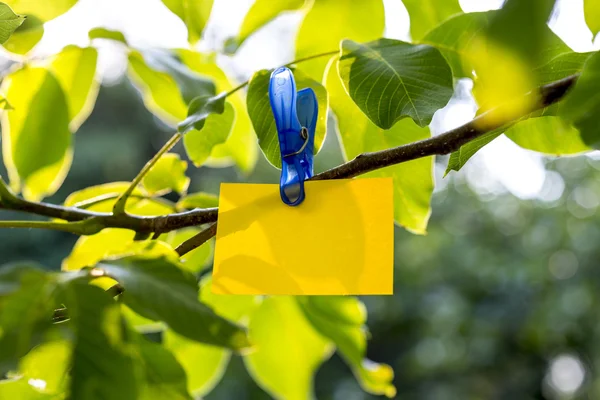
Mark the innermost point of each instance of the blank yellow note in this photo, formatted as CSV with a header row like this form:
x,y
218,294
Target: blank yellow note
x,y
338,241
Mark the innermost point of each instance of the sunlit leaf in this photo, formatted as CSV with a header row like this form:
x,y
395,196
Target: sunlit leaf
x,y
22,390
241,146
75,69
426,15
389,80
413,181
101,198
164,377
167,174
262,116
198,200
328,22
582,104
459,158
32,30
263,11
342,319
103,33
167,86
561,66
36,141
204,364
9,21
197,259
159,289
48,363
288,351
550,135
591,9
103,365
194,13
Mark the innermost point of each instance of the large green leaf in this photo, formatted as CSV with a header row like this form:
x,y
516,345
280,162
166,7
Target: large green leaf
x,y
103,363
389,80
561,66
262,118
193,13
26,305
413,181
289,349
330,21
163,375
582,104
35,134
9,21
549,134
241,146
75,69
32,30
204,364
167,86
159,289
50,362
167,174
591,10
101,198
342,320
426,15
263,11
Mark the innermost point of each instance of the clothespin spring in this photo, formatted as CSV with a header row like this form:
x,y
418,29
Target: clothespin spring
x,y
304,135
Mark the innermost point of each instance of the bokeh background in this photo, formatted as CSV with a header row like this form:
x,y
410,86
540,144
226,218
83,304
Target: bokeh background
x,y
499,300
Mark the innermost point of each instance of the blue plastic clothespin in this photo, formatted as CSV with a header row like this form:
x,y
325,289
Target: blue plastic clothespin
x,y
296,120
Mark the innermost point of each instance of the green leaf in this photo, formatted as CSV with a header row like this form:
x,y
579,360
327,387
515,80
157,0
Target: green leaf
x,y
342,319
75,69
413,181
582,103
288,352
50,363
166,85
163,375
460,157
241,146
22,390
197,259
359,20
103,363
198,200
591,9
167,174
193,13
159,289
35,137
4,104
103,33
200,142
101,198
25,311
561,66
389,80
426,15
9,21
262,118
262,12
550,135
204,364
32,30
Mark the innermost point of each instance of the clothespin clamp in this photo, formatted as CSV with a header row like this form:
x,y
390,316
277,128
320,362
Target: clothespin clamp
x,y
296,120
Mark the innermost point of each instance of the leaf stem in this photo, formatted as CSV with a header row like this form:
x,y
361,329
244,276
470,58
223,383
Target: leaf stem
x,y
119,207
83,228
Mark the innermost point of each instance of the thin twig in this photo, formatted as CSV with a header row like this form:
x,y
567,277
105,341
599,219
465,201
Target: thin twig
x,y
197,240
119,207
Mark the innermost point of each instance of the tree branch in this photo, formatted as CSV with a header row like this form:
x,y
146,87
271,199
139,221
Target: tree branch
x,y
197,240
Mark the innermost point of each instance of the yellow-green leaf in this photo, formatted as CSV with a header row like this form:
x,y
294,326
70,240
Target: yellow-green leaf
x,y
198,200
27,35
427,14
103,33
288,352
328,22
50,363
550,135
241,146
591,9
167,174
263,11
9,21
342,319
193,13
197,259
75,69
36,141
261,115
413,181
101,198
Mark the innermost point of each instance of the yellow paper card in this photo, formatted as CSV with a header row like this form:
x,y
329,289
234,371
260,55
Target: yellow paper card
x,y
338,241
